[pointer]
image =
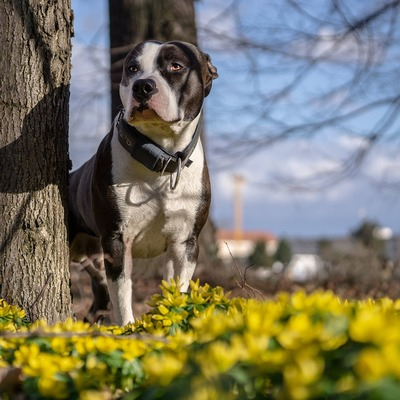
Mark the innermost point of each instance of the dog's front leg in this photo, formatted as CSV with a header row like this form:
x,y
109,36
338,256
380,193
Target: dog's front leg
x,y
182,260
119,278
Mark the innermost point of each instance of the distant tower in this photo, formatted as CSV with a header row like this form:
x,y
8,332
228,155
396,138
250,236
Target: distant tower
x,y
238,182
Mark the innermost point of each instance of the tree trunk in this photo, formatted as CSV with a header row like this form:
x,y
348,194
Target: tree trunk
x,y
34,90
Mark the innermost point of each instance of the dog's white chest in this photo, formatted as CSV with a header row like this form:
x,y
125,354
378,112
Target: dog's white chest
x,y
152,214
143,218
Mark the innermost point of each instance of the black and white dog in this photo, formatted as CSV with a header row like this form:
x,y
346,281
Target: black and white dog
x,y
146,191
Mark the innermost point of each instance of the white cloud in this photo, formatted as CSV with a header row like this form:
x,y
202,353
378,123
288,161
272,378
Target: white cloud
x,y
383,164
215,24
341,46
332,210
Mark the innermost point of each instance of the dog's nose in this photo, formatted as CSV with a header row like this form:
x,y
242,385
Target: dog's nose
x,y
143,89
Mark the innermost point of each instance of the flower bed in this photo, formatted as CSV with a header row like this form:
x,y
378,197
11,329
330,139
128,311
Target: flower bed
x,y
204,345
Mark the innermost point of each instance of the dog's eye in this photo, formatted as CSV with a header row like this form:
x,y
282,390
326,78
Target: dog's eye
x,y
175,67
133,68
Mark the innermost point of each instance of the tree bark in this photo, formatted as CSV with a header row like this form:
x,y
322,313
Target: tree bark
x,y
34,93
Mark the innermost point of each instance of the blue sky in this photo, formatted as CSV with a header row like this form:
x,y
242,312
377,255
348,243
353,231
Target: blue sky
x,y
268,203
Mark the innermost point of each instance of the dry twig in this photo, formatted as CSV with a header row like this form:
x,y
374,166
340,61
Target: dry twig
x,y
254,293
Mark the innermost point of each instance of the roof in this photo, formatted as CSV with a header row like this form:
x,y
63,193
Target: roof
x,y
254,236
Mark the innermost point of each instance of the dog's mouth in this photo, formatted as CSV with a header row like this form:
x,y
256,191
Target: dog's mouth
x,y
143,112
142,107
146,112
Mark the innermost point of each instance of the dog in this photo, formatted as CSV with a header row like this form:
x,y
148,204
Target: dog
x,y
146,192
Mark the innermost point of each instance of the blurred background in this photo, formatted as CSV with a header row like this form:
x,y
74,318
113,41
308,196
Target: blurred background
x,y
301,132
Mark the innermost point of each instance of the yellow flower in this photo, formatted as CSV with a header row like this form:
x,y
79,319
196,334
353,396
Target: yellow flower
x,y
209,326
49,386
117,330
254,346
95,395
70,325
197,298
194,285
169,318
346,383
3,364
331,341
368,325
396,305
27,357
391,352
218,357
10,310
61,345
308,366
299,300
218,295
204,390
181,339
173,300
66,364
84,344
163,368
172,287
163,310
263,318
39,364
145,323
6,344
40,367
11,317
371,365
105,344
290,337
299,330
133,348
302,372
95,371
25,352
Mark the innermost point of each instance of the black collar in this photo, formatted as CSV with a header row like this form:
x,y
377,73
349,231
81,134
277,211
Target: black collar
x,y
150,154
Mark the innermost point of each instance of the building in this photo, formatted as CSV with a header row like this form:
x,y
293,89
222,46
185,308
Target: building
x,y
240,244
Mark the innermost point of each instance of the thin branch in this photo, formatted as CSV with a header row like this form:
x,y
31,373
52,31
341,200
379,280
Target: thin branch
x,y
242,283
42,334
39,296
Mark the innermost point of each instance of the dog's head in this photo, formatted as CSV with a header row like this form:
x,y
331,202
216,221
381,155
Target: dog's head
x,y
165,82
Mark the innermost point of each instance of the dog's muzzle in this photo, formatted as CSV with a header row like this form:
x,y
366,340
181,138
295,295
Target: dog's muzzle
x,y
144,89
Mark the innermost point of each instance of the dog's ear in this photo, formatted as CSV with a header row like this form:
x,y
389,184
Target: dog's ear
x,y
209,73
